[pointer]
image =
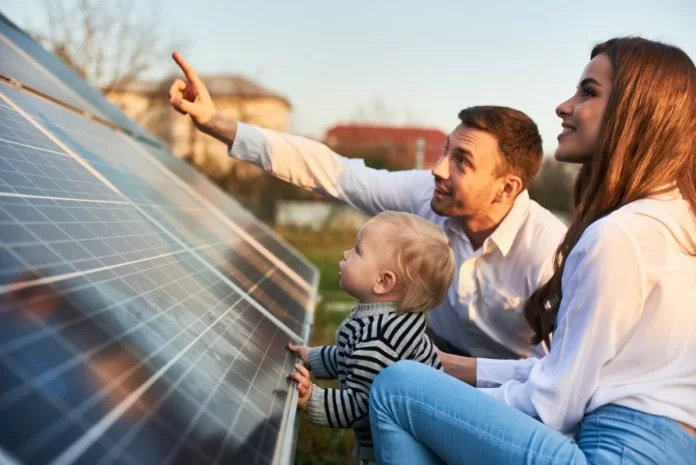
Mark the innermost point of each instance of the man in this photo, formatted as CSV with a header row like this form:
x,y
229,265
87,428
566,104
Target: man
x,y
503,241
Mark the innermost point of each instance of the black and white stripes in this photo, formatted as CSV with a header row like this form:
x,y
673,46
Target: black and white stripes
x,y
371,338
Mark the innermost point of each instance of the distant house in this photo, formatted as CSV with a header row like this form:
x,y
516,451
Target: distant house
x,y
387,146
235,97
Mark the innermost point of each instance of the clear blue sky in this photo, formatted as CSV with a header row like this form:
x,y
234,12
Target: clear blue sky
x,y
423,60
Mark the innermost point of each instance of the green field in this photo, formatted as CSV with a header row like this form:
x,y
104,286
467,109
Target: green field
x,y
315,445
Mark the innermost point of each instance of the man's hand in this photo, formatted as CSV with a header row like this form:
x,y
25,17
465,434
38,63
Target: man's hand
x,y
304,386
190,96
300,351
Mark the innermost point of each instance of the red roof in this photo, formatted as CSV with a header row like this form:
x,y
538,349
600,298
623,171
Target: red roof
x,y
399,138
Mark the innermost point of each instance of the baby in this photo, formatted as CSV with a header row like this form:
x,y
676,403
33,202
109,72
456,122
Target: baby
x,y
401,267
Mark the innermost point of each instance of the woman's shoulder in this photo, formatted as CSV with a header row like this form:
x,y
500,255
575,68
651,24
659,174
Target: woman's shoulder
x,y
642,221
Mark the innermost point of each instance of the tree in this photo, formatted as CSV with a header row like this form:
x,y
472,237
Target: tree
x,y
552,187
108,43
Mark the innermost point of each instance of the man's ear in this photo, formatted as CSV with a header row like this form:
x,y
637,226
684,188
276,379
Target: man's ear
x,y
509,189
385,284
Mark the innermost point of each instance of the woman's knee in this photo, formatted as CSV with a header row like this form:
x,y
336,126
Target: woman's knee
x,y
399,372
396,377
385,385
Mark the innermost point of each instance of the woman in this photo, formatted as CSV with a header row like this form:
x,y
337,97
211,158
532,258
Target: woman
x,y
619,383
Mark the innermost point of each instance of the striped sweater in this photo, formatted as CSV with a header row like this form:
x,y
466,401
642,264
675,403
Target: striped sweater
x,y
372,337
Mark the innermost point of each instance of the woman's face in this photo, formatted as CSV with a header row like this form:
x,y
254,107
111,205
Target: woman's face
x,y
582,113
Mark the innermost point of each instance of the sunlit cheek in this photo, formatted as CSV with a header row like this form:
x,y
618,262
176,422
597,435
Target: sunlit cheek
x,y
458,195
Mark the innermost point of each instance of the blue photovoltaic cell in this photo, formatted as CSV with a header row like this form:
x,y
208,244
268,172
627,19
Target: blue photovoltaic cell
x,y
32,164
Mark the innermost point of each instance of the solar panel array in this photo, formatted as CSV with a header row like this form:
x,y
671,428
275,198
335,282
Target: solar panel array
x,y
144,314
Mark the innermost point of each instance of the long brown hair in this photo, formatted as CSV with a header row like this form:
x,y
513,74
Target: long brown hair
x,y
646,145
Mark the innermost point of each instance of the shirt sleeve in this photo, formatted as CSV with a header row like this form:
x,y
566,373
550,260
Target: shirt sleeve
x,y
603,296
341,408
323,362
313,166
493,372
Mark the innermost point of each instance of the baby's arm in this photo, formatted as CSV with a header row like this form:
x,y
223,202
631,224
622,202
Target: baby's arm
x,y
323,361
324,364
341,408
300,351
426,352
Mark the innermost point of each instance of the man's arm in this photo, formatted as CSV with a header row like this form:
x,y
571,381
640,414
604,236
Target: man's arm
x,y
221,128
301,161
314,166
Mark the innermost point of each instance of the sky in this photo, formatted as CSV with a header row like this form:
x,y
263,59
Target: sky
x,y
406,62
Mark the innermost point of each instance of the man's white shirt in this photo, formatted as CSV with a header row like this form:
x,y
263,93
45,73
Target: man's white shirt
x,y
483,311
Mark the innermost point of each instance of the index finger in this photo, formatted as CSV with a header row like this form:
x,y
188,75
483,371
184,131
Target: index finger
x,y
189,72
302,370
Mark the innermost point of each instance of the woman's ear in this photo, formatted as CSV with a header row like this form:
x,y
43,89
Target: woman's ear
x,y
385,284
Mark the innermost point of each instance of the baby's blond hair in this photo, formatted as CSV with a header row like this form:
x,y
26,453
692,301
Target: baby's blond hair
x,y
423,259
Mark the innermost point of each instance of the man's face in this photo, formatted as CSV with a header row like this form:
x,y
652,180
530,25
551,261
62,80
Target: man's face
x,y
468,175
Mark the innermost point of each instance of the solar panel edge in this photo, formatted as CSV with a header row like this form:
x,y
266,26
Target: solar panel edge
x,y
77,101
95,116
297,253
283,451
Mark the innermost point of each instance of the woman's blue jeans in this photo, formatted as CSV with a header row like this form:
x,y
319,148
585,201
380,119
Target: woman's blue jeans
x,y
423,416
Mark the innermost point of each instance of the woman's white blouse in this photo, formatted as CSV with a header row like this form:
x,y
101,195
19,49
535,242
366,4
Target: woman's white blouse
x,y
626,328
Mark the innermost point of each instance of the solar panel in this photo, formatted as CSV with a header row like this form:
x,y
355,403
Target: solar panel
x,y
30,65
143,313
20,67
256,229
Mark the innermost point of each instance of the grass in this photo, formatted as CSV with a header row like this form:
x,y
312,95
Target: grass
x,y
317,445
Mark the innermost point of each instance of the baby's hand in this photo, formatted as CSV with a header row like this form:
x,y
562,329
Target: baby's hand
x,y
300,351
304,386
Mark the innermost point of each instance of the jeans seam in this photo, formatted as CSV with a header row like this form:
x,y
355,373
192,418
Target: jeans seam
x,y
535,454
600,431
623,455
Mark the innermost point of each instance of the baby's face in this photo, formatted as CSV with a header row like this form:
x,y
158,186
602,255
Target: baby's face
x,y
362,265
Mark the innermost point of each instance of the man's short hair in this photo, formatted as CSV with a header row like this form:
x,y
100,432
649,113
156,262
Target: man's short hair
x,y
423,259
518,137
